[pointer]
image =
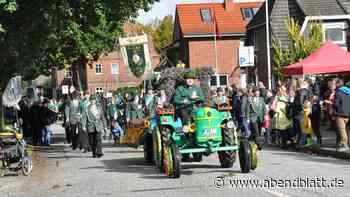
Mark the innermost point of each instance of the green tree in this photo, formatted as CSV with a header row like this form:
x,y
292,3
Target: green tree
x,y
300,47
161,31
37,35
164,33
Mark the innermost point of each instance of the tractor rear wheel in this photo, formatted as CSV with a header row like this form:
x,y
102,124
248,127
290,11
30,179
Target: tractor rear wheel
x,y
157,148
148,148
245,156
227,158
172,166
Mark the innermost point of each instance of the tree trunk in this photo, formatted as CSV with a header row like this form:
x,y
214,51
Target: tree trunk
x,y
54,82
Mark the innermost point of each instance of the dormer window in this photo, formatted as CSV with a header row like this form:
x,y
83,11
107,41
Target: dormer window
x,y
206,15
248,13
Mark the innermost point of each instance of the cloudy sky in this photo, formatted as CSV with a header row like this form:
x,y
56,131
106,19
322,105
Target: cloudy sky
x,y
165,7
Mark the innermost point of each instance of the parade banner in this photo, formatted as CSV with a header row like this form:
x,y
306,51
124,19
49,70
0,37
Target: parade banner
x,y
13,92
136,55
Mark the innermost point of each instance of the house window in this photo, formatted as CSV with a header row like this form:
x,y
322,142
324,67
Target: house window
x,y
98,68
99,90
219,80
114,68
223,80
248,13
334,32
206,15
68,73
213,81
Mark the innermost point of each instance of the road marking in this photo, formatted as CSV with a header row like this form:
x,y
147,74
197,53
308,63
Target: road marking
x,y
275,193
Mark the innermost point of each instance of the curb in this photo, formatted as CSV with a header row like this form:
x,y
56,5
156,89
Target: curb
x,y
323,151
333,153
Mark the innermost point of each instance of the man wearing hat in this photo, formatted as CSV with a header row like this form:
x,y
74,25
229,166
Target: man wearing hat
x,y
94,122
73,117
185,96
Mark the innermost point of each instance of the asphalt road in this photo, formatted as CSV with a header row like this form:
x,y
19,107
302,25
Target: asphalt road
x,y
60,172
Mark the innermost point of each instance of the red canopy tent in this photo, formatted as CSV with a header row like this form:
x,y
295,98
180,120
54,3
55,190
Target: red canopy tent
x,y
328,59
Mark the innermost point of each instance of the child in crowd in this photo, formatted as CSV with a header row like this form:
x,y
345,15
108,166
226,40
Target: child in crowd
x,y
307,130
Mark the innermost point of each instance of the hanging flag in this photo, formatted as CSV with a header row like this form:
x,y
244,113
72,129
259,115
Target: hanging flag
x,y
136,55
13,92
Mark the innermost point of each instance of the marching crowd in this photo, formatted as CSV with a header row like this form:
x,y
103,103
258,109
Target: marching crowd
x,y
289,115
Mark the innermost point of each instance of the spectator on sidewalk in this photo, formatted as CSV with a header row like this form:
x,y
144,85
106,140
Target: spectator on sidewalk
x,y
303,94
307,130
342,111
94,123
263,90
283,123
316,118
35,124
47,118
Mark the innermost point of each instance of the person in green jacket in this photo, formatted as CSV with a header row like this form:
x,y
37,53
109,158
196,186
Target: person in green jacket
x,y
94,123
185,97
73,118
256,113
82,134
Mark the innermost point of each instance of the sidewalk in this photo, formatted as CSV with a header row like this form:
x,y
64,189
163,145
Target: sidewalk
x,y
329,144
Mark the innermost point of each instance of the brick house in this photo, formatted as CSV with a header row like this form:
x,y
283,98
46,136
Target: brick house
x,y
333,14
210,34
109,72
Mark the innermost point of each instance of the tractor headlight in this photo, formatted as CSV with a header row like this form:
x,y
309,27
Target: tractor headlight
x,y
230,125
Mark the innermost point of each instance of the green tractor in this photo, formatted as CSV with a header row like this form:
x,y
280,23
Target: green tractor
x,y
212,130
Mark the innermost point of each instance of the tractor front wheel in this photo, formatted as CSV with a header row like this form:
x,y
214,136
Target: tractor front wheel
x,y
157,148
171,161
254,155
245,156
227,158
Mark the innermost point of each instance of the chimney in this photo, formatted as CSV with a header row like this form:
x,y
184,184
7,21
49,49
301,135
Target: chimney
x,y
229,4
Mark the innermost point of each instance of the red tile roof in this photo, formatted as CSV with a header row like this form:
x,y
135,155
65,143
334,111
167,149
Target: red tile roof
x,y
229,21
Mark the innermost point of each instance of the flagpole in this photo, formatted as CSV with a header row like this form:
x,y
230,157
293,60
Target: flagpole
x,y
268,44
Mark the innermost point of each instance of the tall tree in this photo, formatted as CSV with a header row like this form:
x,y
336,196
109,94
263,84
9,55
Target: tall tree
x,y
36,35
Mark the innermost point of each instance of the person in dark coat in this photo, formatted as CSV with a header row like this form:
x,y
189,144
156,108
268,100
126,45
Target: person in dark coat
x,y
341,107
35,124
244,112
47,118
24,115
316,118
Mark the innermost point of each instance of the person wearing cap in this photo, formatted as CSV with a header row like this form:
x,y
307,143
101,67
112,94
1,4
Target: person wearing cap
x,y
94,123
83,138
184,97
256,113
73,118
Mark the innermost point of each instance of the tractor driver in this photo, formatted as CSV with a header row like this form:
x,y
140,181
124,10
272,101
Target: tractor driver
x,y
185,96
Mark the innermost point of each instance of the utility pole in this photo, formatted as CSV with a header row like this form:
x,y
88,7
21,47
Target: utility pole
x,y
268,44
215,39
